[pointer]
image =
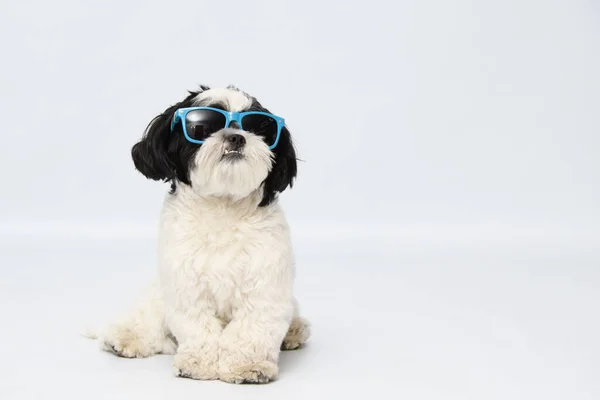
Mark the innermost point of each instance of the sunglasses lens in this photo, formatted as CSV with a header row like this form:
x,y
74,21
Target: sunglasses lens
x,y
200,124
261,125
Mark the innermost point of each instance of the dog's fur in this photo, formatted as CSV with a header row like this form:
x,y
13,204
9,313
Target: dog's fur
x,y
223,301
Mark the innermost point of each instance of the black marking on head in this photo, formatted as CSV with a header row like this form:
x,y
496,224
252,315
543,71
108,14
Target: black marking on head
x,y
218,105
162,155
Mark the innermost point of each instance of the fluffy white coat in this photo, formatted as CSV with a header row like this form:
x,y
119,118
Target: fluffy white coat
x,y
223,303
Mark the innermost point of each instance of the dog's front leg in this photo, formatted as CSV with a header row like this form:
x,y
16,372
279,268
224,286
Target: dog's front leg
x,y
250,344
197,330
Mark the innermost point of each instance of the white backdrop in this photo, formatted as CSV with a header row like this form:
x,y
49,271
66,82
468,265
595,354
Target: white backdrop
x,y
458,115
446,213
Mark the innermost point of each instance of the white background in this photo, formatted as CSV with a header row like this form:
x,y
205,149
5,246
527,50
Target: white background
x,y
446,213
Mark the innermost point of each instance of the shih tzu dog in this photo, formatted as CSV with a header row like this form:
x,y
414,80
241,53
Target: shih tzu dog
x,y
223,302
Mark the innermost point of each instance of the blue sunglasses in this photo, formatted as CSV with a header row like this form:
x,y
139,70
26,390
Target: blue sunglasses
x,y
201,122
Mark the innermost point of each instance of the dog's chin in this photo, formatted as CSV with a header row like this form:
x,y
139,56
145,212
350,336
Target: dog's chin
x,y
234,175
225,170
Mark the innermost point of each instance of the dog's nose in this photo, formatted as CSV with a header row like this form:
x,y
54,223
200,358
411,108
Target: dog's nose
x,y
235,139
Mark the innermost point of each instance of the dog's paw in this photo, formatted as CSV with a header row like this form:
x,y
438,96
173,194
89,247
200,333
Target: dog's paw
x,y
187,365
297,334
259,372
124,342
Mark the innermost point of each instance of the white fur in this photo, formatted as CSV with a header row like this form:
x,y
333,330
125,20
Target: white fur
x,y
233,99
223,302
214,178
227,273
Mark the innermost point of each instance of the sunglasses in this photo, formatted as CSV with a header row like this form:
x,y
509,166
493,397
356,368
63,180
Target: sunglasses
x,y
201,122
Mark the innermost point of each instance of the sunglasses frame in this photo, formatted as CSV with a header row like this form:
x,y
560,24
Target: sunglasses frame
x,y
230,117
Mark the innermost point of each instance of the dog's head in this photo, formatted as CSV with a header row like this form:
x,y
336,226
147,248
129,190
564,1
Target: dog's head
x,y
208,143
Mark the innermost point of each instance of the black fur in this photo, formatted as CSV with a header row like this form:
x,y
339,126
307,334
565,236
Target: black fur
x,y
164,156
284,168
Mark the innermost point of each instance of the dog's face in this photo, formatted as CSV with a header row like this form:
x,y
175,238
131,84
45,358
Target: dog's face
x,y
230,162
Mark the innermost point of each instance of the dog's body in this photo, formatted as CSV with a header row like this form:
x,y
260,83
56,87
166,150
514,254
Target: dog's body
x,y
223,302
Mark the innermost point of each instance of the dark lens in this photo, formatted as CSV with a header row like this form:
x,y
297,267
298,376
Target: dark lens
x,y
261,125
200,124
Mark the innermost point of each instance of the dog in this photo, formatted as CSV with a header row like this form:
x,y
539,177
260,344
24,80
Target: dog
x,y
223,301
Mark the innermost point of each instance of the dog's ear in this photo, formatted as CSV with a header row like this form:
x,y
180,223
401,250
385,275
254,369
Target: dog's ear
x,y
284,168
150,155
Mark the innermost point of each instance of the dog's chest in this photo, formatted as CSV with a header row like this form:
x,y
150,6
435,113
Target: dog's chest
x,y
209,250
213,257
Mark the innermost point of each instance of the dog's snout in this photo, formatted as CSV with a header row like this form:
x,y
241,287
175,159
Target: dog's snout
x,y
235,140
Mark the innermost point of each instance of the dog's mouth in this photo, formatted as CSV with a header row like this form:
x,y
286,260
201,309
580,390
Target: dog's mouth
x,y
232,154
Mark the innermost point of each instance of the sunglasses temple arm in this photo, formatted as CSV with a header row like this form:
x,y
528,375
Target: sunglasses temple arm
x,y
174,120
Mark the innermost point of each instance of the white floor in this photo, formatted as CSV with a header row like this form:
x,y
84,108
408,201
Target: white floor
x,y
503,322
